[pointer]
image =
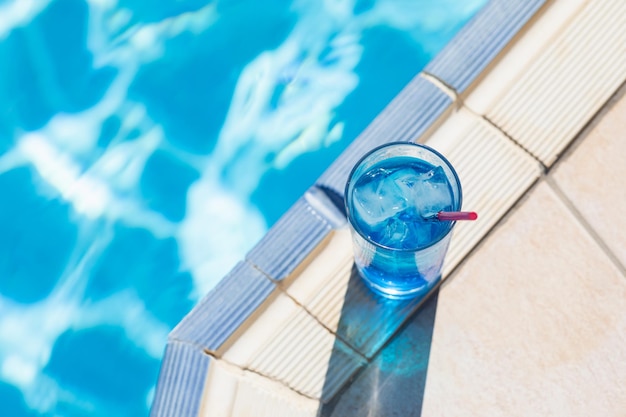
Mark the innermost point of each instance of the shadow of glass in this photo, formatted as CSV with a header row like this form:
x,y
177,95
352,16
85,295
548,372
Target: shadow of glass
x,y
392,383
393,335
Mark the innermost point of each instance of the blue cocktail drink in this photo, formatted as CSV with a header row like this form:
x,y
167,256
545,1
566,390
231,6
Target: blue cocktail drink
x,y
393,196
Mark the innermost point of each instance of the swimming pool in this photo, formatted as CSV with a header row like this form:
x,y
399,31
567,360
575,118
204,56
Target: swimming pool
x,y
145,148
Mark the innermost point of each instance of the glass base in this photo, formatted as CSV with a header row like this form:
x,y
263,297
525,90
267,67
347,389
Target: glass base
x,y
398,293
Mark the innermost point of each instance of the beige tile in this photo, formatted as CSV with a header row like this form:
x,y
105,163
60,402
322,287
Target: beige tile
x,y
494,174
232,392
593,176
285,343
330,288
533,324
523,51
321,286
220,390
561,82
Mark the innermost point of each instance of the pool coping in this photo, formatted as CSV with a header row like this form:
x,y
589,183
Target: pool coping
x,y
423,108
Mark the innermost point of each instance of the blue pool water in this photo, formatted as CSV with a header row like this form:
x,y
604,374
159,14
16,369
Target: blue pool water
x,y
146,146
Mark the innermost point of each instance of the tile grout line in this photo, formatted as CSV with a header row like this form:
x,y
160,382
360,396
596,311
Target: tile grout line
x,y
185,342
585,224
442,85
335,334
510,211
585,130
255,372
203,350
281,288
544,168
460,103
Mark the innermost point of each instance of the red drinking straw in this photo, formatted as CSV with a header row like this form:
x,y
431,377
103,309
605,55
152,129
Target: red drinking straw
x,y
457,215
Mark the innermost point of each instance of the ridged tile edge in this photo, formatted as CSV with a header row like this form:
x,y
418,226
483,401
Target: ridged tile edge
x,y
286,344
482,152
321,286
414,110
181,381
328,203
331,290
233,392
568,82
300,355
223,310
289,241
477,44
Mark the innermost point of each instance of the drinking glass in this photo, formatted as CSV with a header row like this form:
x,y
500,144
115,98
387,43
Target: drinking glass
x,y
392,199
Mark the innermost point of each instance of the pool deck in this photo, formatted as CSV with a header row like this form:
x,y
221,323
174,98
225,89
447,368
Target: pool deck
x,y
529,104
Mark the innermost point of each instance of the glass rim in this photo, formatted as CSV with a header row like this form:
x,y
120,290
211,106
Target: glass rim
x,y
387,145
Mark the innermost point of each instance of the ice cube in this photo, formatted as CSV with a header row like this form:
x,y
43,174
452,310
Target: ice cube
x,y
378,199
433,194
406,178
406,230
395,232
